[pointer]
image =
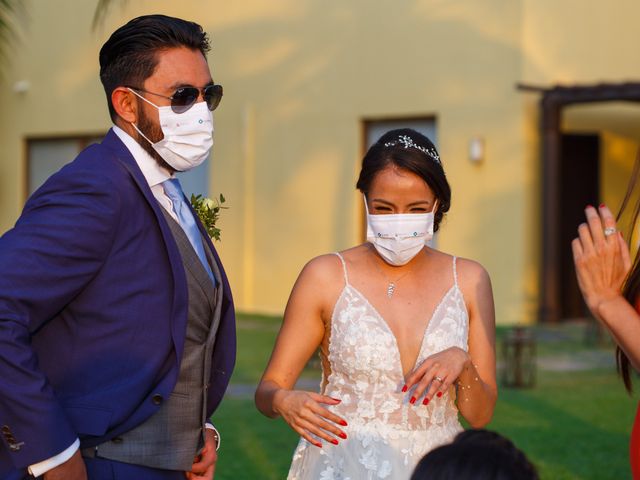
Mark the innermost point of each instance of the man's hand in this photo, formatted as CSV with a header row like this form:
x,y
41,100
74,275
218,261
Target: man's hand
x,y
204,465
72,469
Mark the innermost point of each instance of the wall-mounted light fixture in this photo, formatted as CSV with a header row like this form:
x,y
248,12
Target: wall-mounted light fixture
x,y
21,86
476,150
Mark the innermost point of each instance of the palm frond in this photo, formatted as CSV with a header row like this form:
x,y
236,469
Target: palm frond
x,y
102,8
12,12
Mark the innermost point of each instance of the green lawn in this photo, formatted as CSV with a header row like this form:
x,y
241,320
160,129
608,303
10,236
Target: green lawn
x,y
572,425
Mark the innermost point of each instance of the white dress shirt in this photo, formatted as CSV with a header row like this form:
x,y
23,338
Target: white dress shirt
x,y
153,173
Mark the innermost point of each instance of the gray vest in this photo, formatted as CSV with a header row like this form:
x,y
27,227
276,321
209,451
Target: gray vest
x,y
173,436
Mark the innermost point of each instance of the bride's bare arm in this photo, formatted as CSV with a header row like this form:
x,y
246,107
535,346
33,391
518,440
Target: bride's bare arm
x,y
477,390
301,333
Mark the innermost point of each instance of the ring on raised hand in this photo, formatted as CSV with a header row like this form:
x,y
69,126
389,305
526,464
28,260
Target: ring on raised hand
x,y
609,231
438,379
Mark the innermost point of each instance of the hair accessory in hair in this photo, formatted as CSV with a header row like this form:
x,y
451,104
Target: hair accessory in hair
x,y
407,142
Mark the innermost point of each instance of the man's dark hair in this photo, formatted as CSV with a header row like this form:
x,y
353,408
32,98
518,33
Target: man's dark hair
x,y
388,150
476,455
129,57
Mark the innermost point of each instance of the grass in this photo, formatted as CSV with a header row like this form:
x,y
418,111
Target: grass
x,y
254,447
572,425
256,335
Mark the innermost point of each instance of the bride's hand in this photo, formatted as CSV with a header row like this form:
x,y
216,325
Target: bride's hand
x,y
303,411
436,374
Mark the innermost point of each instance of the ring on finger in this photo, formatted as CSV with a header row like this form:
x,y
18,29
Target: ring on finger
x,y
438,379
609,231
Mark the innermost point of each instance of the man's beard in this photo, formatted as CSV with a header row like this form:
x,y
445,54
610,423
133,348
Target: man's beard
x,y
154,133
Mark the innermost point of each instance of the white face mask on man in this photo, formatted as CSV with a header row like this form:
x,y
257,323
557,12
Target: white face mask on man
x,y
188,136
399,237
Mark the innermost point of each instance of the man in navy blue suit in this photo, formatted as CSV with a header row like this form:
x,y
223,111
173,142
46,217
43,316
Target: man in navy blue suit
x,y
117,327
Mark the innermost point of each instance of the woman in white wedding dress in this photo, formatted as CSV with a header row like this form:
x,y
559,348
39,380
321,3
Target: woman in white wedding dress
x,y
406,333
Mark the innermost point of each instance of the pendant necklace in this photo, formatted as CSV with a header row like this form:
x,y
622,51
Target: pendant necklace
x,y
391,284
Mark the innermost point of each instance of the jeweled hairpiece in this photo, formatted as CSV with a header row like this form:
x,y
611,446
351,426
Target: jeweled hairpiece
x,y
406,141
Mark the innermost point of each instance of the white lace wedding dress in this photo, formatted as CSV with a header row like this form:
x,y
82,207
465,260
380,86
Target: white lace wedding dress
x,y
387,435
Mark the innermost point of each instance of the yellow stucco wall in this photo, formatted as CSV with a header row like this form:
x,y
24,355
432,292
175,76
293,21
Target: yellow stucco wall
x,y
300,76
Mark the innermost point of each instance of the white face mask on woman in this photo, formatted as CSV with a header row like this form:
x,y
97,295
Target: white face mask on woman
x,y
399,237
188,136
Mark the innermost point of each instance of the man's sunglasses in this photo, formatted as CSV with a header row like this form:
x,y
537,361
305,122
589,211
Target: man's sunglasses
x,y
185,97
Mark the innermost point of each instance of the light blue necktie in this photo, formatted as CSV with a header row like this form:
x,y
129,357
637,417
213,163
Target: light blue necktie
x,y
187,222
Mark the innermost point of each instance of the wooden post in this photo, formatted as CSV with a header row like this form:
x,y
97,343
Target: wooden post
x,y
550,223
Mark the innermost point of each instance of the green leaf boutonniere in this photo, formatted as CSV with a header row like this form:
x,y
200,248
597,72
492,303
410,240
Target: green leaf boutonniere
x,y
208,211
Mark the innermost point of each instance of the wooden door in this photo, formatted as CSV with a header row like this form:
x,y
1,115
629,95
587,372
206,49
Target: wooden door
x,y
579,186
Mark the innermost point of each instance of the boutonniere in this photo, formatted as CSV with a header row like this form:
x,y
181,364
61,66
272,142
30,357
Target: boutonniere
x,y
208,211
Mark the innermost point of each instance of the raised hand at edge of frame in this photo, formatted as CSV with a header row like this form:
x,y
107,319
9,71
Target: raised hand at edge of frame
x,y
602,260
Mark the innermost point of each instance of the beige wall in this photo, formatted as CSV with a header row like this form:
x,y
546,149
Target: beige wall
x,y
300,76
58,58
585,41
305,78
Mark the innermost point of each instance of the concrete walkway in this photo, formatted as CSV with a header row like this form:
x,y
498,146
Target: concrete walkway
x,y
576,361
246,390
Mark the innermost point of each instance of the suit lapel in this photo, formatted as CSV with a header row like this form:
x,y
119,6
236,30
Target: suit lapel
x,y
112,141
180,294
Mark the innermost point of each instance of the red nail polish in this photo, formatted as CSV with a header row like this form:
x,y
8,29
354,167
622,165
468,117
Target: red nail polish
x,y
589,206
343,435
413,400
439,394
336,399
404,389
602,205
319,445
343,423
425,401
334,441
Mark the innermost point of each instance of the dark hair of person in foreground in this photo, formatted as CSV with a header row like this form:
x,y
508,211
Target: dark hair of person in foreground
x,y
476,455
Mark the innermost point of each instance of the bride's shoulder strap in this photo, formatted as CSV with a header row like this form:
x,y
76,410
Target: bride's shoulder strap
x,y
455,271
344,267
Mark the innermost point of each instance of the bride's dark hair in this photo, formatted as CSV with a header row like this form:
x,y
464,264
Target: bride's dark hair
x,y
407,149
629,212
